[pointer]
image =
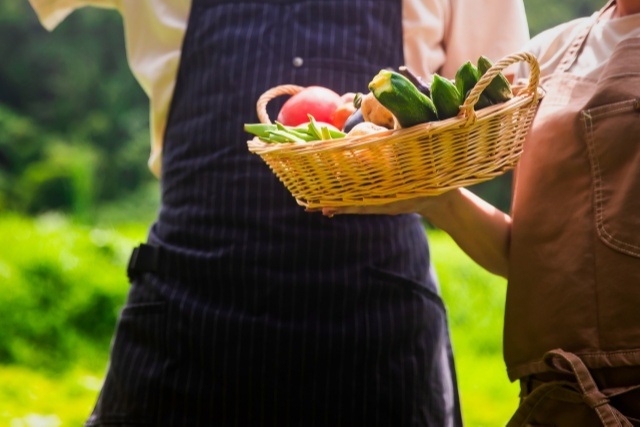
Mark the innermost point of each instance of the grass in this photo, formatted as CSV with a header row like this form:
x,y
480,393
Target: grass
x,y
475,300
36,399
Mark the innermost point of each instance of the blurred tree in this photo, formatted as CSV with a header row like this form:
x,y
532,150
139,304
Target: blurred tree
x,y
544,14
54,309
76,85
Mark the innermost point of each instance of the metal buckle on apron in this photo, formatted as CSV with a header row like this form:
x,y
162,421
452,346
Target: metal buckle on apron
x,y
584,388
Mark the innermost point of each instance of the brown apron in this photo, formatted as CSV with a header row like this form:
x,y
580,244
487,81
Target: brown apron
x,y
573,299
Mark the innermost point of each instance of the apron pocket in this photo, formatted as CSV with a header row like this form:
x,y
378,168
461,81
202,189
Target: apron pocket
x,y
401,283
612,136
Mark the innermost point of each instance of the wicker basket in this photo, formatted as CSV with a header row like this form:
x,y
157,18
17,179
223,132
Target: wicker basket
x,y
423,160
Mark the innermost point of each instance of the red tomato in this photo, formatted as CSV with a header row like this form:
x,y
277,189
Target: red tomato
x,y
318,101
341,114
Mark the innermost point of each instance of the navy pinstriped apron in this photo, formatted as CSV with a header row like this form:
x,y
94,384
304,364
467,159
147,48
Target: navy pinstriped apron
x,y
254,312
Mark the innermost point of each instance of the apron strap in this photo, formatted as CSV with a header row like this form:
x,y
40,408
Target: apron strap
x,y
583,389
574,50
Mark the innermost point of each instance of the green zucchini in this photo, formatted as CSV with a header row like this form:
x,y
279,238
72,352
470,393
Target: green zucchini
x,y
499,90
483,101
446,97
396,93
466,78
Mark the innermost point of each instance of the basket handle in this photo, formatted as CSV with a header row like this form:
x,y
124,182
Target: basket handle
x,y
261,105
474,95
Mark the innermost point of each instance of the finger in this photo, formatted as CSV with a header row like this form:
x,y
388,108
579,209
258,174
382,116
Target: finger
x,y
330,212
346,210
387,209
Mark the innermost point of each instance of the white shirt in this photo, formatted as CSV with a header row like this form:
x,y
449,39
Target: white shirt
x,y
439,36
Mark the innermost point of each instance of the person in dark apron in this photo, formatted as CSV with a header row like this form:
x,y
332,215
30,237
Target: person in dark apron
x,y
244,310
571,247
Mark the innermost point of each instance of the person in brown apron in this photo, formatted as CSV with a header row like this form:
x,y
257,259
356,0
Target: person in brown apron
x,y
571,247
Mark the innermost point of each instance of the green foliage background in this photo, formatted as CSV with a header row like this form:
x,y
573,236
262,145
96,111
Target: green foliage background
x,y
62,285
58,316
76,196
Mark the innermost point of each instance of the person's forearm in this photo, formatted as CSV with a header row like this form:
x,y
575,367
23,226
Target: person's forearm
x,y
481,230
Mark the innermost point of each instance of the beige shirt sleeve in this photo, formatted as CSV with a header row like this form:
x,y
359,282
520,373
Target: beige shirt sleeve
x,y
440,35
53,12
154,32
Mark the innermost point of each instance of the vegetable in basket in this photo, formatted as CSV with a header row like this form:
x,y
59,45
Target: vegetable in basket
x,y
446,97
304,132
409,106
320,102
415,79
466,78
375,112
353,120
499,90
412,102
345,110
